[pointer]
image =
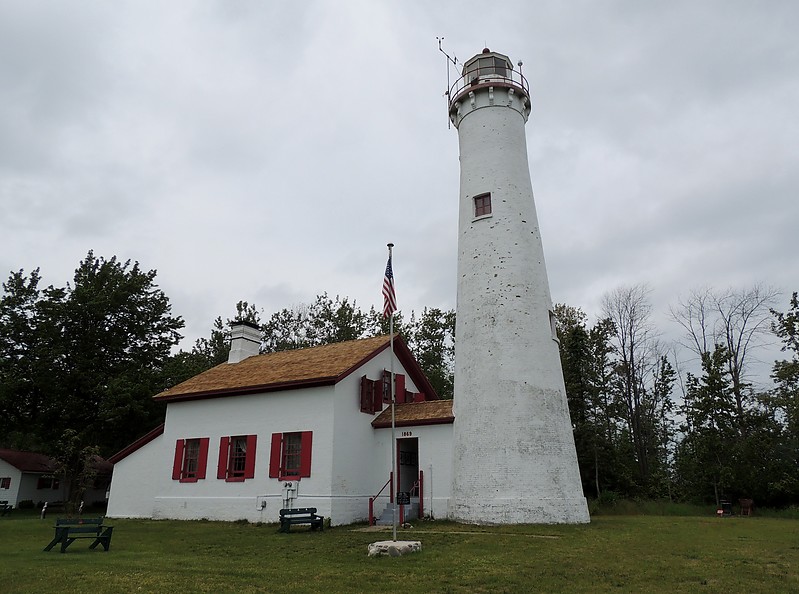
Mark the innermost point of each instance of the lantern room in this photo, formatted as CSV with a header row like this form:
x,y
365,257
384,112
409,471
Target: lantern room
x,y
487,69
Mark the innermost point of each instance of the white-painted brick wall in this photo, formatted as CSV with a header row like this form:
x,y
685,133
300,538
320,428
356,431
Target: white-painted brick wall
x,y
514,457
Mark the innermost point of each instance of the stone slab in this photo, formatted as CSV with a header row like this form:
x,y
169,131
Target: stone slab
x,y
394,548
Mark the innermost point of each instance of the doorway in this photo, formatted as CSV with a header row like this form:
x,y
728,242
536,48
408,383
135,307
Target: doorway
x,y
407,463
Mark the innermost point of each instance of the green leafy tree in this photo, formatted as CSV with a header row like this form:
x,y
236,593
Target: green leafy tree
x,y
75,464
784,399
85,358
324,321
706,457
601,439
207,352
431,336
432,340
20,388
785,373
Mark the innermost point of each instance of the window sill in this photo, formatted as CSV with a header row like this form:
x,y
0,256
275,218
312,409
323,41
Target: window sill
x,y
189,480
481,217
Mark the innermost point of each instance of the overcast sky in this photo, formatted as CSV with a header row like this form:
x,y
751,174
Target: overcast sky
x,y
268,151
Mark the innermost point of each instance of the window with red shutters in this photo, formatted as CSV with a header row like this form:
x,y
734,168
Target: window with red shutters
x,y
5,482
399,387
290,457
386,386
237,458
191,459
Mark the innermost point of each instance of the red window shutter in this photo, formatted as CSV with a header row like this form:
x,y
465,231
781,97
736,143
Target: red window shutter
x,y
367,402
202,460
177,465
418,397
274,455
305,453
221,468
399,388
377,396
249,461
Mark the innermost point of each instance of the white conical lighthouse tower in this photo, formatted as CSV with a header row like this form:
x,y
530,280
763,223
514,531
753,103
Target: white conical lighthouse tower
x,y
514,459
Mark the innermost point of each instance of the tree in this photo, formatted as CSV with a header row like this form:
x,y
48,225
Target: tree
x,y
24,364
324,321
737,320
432,339
75,462
706,457
786,372
642,382
784,398
85,358
586,367
431,336
207,352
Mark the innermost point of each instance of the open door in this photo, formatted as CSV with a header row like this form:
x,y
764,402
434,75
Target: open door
x,y
407,463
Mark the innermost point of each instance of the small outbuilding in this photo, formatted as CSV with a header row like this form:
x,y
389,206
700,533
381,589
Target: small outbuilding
x,y
30,476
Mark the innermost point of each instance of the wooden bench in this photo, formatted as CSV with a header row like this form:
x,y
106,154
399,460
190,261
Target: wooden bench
x,y
68,530
300,515
5,508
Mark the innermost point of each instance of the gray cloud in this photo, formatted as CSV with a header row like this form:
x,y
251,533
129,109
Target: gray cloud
x,y
268,152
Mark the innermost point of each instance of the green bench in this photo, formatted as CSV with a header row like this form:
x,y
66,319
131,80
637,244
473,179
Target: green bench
x,y
68,530
300,515
5,508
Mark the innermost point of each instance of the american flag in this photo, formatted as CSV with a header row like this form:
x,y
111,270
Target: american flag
x,y
389,297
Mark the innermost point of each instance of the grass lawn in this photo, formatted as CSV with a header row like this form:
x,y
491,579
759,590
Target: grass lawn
x,y
612,554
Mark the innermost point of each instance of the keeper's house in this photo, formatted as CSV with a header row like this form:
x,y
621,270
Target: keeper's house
x,y
302,428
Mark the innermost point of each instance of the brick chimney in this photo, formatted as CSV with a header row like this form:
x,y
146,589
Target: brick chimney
x,y
245,341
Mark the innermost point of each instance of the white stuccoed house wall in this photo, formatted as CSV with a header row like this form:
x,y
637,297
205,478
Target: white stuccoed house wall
x,y
12,494
514,456
435,460
362,464
306,409
136,480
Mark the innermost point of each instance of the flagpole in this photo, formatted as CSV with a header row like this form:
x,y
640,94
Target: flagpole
x,y
395,481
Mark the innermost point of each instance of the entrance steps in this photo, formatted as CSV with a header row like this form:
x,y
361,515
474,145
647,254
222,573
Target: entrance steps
x,y
387,517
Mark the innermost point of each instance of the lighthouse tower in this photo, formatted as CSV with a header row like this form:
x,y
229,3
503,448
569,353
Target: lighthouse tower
x,y
514,459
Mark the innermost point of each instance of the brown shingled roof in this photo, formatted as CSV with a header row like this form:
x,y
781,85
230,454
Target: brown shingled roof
x,y
316,366
434,412
33,462
28,461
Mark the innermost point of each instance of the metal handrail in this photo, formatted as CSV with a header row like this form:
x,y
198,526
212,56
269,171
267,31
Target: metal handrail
x,y
372,499
484,77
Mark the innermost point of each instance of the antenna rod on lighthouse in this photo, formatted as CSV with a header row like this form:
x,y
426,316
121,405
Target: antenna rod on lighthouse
x,y
454,61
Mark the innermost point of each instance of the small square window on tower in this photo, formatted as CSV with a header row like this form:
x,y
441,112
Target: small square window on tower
x,y
482,205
